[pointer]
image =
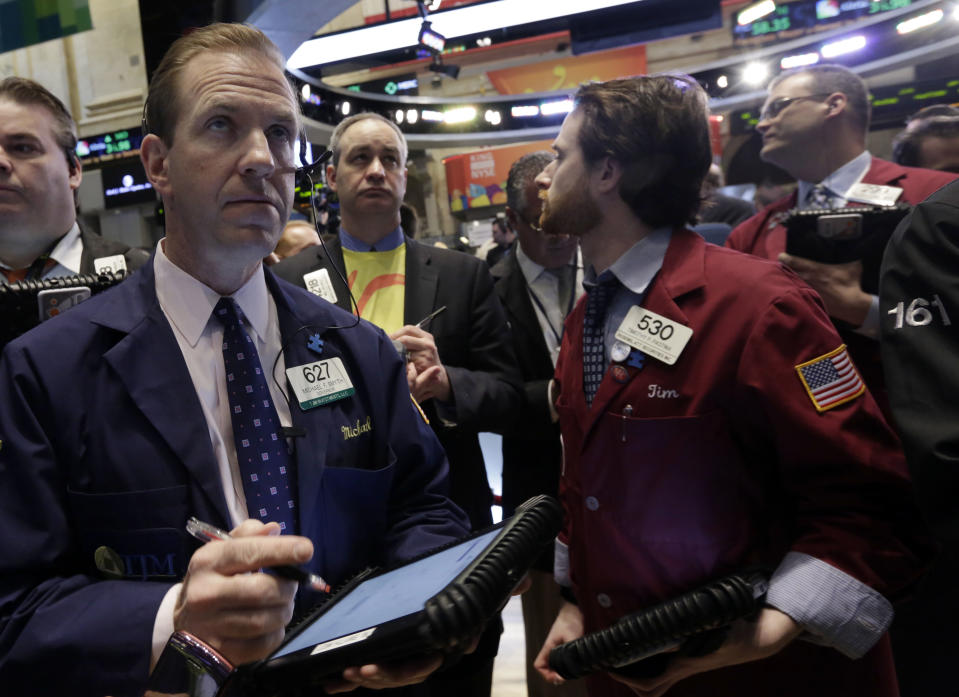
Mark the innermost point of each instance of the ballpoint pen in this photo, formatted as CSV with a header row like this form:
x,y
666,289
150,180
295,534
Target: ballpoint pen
x,y
423,322
398,345
209,533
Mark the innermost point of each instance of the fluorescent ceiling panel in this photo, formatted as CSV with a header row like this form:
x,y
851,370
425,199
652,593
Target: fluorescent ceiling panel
x,y
460,21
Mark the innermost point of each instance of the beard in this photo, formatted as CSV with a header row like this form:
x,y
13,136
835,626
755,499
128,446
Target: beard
x,y
574,213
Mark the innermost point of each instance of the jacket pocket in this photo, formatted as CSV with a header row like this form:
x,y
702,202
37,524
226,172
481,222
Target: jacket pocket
x,y
128,534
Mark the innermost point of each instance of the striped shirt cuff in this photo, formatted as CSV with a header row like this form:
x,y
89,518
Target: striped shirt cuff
x,y
561,563
833,607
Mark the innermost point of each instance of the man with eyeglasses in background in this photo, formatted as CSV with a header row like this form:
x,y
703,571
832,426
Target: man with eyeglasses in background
x,y
813,125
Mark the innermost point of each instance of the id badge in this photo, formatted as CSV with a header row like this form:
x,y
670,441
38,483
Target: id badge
x,y
114,264
874,194
321,382
653,334
318,282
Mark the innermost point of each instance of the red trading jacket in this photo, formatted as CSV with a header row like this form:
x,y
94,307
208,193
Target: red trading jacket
x,y
763,235
686,472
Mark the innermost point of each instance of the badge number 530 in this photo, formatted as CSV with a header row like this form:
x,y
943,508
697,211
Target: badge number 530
x,y
656,327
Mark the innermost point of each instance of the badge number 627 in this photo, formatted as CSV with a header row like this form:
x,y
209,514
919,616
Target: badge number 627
x,y
316,372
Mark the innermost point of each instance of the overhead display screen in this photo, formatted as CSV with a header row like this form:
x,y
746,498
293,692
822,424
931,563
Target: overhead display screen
x,y
794,19
108,146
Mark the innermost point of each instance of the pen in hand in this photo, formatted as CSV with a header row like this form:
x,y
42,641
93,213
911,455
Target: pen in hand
x,y
398,345
426,320
208,533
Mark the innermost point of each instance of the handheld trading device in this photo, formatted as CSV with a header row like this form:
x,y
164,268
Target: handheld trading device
x,y
434,604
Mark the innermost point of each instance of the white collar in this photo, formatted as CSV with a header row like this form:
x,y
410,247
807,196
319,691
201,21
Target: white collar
x,y
637,267
188,303
842,180
69,249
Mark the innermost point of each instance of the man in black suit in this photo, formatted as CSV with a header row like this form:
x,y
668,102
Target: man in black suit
x,y
538,285
461,366
39,176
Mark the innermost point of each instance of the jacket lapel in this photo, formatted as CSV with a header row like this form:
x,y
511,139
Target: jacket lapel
x,y
682,272
330,258
525,323
150,365
421,281
298,321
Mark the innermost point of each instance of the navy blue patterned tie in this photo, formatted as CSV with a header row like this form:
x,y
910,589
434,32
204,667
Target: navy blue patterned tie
x,y
261,453
820,197
594,349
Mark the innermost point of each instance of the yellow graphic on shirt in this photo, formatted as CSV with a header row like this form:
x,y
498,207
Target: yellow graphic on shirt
x,y
378,282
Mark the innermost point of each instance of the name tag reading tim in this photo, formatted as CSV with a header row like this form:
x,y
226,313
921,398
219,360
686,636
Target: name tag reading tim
x,y
654,335
320,383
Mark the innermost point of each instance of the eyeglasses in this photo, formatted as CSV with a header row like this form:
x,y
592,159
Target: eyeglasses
x,y
776,106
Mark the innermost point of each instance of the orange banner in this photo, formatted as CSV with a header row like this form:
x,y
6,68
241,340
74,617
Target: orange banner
x,y
478,179
569,73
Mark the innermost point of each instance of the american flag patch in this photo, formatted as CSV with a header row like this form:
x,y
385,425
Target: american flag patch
x,y
831,380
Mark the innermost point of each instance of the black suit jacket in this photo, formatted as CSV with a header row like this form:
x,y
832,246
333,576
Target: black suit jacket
x,y
473,343
532,455
96,247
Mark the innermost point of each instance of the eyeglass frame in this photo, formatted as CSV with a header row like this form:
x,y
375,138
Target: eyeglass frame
x,y
768,112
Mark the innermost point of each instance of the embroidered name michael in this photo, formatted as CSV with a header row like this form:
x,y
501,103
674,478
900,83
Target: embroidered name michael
x,y
354,431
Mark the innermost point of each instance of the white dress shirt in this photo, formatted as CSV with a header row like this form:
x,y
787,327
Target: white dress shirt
x,y
543,288
188,306
66,253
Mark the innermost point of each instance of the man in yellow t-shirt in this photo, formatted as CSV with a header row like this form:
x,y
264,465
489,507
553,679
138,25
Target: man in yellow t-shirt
x,y
460,364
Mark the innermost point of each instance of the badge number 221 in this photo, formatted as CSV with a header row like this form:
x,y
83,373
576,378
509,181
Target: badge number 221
x,y
918,314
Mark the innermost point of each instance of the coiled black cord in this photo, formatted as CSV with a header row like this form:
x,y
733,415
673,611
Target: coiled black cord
x,y
18,301
687,621
455,614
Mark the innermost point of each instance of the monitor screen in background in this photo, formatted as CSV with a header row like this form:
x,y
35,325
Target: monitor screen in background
x,y
125,183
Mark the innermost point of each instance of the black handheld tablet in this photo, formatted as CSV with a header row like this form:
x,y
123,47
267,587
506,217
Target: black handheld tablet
x,y
435,604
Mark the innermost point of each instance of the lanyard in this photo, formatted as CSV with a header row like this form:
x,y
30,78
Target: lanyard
x,y
558,335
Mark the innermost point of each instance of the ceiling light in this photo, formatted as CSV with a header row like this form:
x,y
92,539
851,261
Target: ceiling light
x,y
755,73
722,82
460,114
305,93
493,116
847,45
562,106
431,115
521,112
799,60
399,116
754,12
412,115
345,108
919,22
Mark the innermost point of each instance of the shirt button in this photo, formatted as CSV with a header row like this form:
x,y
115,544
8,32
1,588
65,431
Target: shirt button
x,y
603,600
592,503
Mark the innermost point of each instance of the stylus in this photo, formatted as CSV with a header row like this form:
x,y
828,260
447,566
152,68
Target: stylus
x,y
209,533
